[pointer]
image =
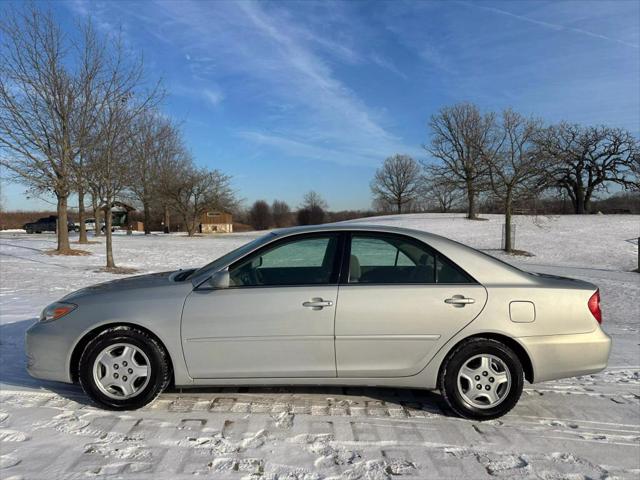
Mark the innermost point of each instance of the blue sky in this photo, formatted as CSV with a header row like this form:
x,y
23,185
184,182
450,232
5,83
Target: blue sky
x,y
292,96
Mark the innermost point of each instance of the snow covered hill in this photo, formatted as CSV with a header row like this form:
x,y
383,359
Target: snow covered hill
x,y
587,427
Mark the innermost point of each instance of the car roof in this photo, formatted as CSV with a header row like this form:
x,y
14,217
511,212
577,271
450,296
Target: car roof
x,y
353,226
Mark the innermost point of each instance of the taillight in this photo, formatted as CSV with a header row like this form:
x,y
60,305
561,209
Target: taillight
x,y
594,306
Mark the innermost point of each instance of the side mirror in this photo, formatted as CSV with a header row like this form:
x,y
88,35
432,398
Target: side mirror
x,y
220,279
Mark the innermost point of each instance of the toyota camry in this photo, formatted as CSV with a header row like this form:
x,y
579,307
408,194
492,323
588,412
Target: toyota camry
x,y
344,304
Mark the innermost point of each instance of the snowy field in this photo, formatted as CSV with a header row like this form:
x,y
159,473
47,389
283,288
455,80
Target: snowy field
x,y
583,428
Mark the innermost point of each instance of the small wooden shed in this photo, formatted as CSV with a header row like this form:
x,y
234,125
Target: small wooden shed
x,y
119,214
216,222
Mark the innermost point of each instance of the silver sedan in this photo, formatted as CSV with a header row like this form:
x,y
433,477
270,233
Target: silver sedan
x,y
330,305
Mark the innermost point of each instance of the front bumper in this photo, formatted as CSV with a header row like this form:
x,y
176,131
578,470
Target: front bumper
x,y
48,348
562,356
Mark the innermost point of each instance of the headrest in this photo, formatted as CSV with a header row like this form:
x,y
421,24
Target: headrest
x,y
354,269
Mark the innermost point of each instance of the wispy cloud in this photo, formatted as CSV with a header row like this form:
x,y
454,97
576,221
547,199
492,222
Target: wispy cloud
x,y
211,94
279,62
387,64
214,97
553,26
274,59
431,54
302,149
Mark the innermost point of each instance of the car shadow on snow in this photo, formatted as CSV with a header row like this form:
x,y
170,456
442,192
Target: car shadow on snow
x,y
14,376
333,400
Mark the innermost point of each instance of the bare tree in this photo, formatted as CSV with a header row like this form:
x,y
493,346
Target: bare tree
x,y
154,139
313,199
198,190
458,136
81,185
443,193
260,216
311,215
281,213
95,205
113,137
173,163
633,182
586,159
397,182
47,102
312,210
382,206
109,162
516,168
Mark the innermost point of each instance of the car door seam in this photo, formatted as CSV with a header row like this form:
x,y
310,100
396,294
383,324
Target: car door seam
x,y
335,314
182,342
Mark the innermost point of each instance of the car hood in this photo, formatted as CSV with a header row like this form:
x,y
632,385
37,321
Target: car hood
x,y
161,279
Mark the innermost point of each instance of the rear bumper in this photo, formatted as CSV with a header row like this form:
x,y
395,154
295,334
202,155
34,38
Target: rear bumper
x,y
561,356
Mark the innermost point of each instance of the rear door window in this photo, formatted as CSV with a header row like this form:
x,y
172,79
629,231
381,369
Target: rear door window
x,y
396,259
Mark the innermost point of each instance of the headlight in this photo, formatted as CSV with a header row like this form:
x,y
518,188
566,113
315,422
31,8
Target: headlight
x,y
56,310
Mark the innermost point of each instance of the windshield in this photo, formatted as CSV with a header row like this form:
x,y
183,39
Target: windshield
x,y
237,253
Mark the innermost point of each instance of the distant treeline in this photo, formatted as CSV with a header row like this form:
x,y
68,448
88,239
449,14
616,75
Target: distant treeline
x,y
619,203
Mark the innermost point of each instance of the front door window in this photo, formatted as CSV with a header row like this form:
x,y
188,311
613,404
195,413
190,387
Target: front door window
x,y
309,260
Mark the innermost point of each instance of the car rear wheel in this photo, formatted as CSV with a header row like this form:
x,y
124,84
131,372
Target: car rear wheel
x,y
123,369
481,379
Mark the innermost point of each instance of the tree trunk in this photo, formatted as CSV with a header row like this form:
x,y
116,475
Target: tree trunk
x,y
472,213
399,206
147,218
193,226
507,224
96,215
108,233
580,207
62,228
189,224
587,201
83,227
167,219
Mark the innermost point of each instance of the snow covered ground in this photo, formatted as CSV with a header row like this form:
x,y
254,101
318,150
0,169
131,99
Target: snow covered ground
x,y
581,428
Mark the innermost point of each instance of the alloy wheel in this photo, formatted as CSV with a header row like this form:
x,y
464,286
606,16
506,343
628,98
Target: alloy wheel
x,y
484,381
121,371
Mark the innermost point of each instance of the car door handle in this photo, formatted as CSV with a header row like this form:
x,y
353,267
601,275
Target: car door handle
x,y
317,303
459,301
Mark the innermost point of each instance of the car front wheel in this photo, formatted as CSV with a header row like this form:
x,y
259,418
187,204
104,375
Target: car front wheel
x,y
481,379
123,369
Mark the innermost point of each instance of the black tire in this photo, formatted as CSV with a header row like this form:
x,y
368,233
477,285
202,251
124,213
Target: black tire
x,y
29,231
159,376
448,380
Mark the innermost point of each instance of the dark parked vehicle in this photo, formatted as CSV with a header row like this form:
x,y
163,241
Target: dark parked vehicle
x,y
46,224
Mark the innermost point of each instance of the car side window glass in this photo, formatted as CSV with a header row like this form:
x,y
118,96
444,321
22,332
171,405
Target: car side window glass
x,y
394,259
306,261
388,260
447,272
